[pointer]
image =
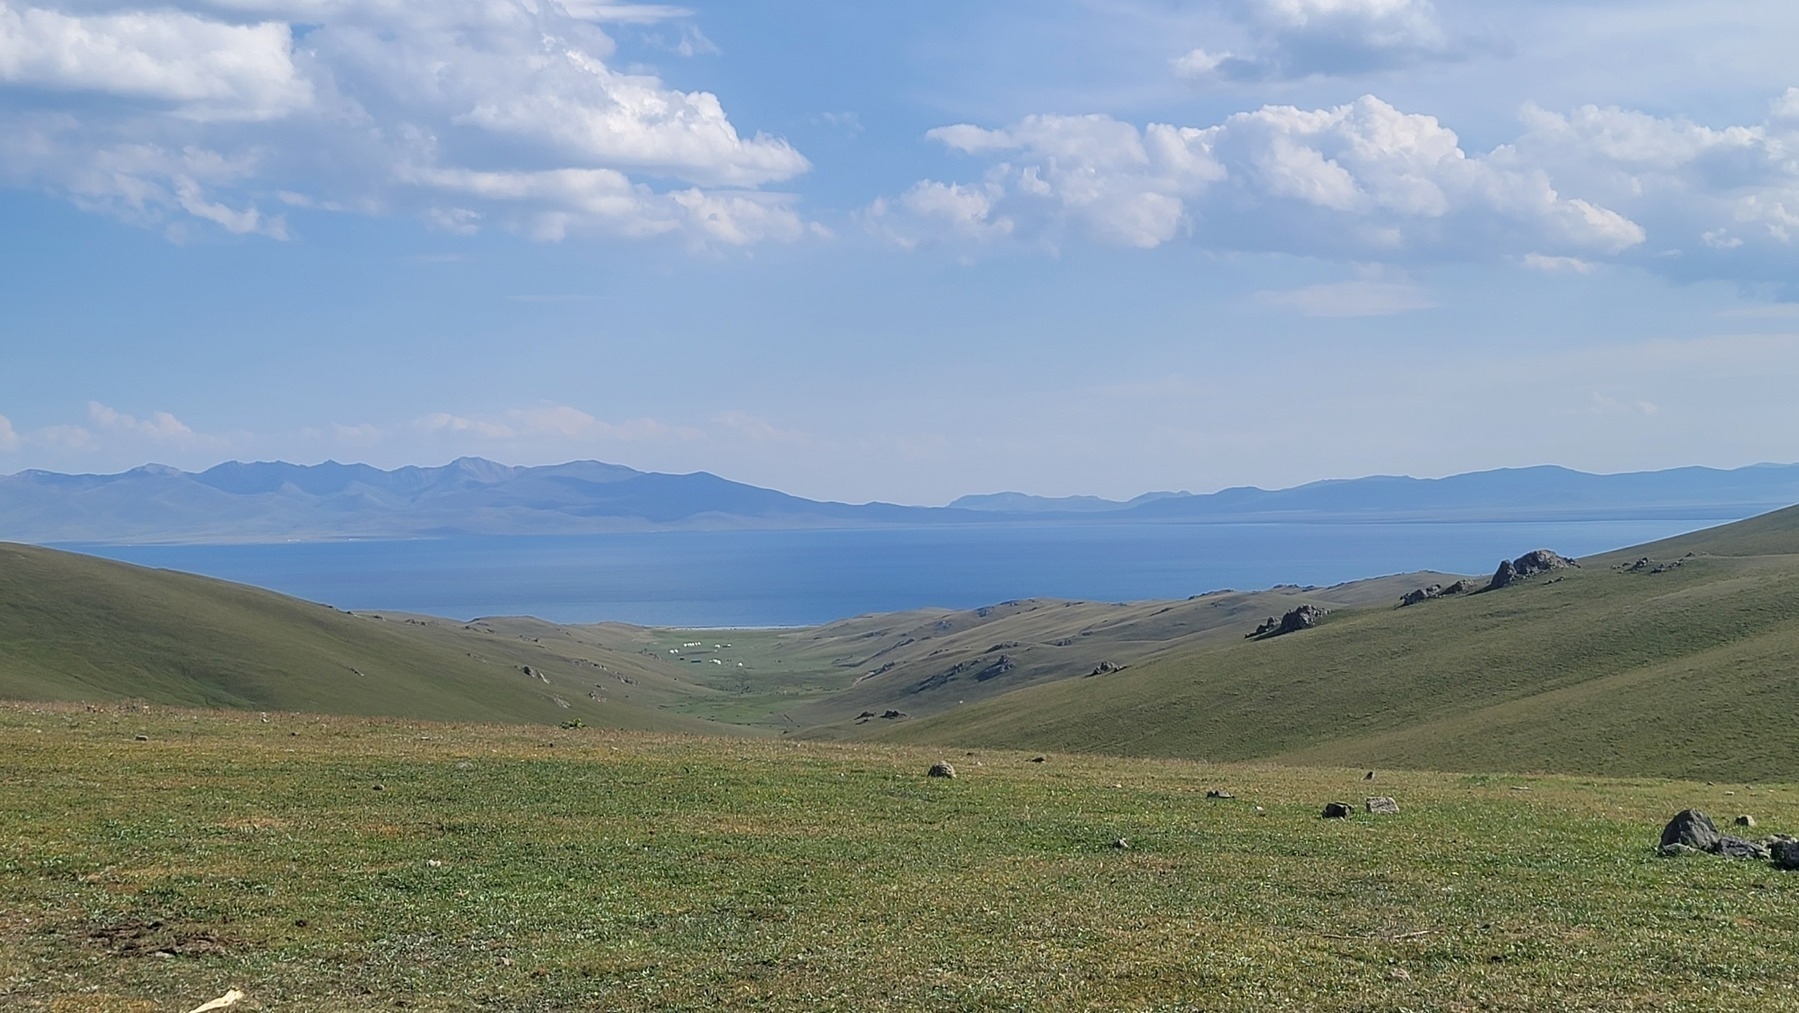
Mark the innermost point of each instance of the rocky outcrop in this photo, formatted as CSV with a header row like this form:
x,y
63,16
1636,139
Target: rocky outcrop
x,y
1528,565
1002,665
1691,832
1302,618
1423,594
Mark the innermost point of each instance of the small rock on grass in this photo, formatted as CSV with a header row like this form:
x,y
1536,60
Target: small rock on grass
x,y
1219,793
1785,854
1381,805
1336,810
1744,820
941,769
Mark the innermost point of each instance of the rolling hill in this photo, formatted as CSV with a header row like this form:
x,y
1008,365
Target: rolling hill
x,y
1679,658
77,628
1684,665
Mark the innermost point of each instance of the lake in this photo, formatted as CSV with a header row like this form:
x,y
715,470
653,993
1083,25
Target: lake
x,y
794,578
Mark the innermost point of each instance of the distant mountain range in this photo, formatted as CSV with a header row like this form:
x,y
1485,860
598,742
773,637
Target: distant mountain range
x,y
274,501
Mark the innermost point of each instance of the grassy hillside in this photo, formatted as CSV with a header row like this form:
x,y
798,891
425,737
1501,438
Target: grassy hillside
x,y
1690,671
77,628
1687,665
928,664
336,865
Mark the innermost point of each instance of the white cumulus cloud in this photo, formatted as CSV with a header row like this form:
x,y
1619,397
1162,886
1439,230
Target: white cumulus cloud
x,y
1360,181
1717,200
463,112
200,68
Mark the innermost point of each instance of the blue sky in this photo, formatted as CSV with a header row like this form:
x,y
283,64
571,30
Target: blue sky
x,y
901,250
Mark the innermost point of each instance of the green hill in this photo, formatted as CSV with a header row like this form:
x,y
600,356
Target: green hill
x,y
1609,668
1684,665
77,628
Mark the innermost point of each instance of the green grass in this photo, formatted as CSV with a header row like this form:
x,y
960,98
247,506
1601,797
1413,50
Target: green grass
x,y
77,628
590,869
1691,672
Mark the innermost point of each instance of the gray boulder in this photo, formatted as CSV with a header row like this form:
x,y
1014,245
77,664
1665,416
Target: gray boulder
x,y
941,769
1736,847
1785,854
1336,810
1380,805
1693,829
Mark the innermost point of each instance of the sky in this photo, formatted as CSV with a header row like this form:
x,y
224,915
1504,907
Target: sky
x,y
902,250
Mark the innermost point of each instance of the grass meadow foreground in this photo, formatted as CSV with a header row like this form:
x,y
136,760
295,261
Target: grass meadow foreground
x,y
326,864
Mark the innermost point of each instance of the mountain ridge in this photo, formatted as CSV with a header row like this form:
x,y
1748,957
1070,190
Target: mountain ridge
x,y
278,501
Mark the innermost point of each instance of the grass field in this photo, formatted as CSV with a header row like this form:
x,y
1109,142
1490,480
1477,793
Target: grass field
x,y
328,864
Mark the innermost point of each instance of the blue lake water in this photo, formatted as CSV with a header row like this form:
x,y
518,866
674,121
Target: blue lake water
x,y
790,578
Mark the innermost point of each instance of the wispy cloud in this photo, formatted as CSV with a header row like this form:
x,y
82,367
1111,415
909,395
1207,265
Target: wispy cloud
x,y
1361,298
1293,39
1558,265
550,421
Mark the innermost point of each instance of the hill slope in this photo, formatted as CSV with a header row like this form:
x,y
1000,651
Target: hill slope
x,y
77,628
1693,670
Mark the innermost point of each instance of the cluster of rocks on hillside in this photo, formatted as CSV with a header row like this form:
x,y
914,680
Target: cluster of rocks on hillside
x,y
1302,618
1693,832
1424,594
1510,572
1647,565
1528,565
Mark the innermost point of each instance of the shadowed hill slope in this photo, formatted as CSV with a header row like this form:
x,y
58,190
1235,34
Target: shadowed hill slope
x,y
1684,665
77,628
